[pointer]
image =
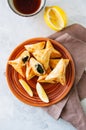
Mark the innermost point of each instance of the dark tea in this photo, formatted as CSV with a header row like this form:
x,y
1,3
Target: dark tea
x,y
27,6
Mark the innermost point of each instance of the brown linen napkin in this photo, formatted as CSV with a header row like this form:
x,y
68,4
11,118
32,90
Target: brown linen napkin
x,y
75,30
69,108
82,84
73,111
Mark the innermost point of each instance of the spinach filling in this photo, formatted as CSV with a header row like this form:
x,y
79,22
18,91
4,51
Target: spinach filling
x,y
39,68
24,59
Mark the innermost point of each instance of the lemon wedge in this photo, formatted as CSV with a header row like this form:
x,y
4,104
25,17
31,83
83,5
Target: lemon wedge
x,y
26,87
55,17
41,93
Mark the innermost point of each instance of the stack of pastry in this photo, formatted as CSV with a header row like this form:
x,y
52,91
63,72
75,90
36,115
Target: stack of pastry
x,y
44,61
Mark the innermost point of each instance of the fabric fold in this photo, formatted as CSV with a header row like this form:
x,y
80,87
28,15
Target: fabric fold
x,y
75,30
81,87
73,111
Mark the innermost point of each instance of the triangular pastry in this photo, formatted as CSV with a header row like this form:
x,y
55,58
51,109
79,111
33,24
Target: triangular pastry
x,y
24,57
37,46
17,66
19,63
29,72
43,56
55,53
38,54
58,74
37,67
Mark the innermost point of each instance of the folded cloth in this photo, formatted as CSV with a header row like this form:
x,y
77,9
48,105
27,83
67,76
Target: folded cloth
x,y
73,38
75,30
82,87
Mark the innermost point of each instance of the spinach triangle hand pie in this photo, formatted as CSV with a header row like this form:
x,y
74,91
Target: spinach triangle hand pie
x,y
24,57
55,53
19,63
58,74
37,46
43,56
37,67
17,66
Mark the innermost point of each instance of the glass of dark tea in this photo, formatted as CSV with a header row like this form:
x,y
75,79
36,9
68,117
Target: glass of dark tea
x,y
26,8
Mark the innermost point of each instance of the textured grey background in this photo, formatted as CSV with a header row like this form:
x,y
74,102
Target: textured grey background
x,y
14,115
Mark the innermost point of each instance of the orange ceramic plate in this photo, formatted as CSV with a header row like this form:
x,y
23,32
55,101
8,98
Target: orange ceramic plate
x,y
55,92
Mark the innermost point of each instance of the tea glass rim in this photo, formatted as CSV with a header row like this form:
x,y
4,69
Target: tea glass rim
x,y
26,15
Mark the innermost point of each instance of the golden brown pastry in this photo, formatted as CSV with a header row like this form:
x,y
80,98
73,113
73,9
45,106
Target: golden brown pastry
x,y
42,79
19,63
29,72
38,54
43,56
17,66
53,63
58,74
55,53
37,46
37,67
24,57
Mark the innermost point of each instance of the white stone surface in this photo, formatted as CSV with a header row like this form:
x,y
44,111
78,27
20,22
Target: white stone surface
x,y
14,115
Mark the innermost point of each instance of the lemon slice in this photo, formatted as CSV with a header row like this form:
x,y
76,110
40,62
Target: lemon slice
x,y
55,17
41,93
26,87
